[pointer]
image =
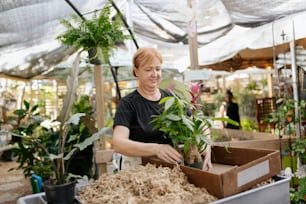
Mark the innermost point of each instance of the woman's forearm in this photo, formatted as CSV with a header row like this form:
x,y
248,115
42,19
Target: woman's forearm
x,y
135,149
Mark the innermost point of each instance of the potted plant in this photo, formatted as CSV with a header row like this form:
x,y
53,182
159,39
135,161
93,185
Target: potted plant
x,y
49,146
39,151
183,127
97,36
186,125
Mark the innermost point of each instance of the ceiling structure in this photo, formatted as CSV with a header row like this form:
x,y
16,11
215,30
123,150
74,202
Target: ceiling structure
x,y
232,34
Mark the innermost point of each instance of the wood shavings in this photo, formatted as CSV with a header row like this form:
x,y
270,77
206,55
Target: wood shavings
x,y
145,184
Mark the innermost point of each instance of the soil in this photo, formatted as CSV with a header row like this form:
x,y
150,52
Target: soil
x,y
13,184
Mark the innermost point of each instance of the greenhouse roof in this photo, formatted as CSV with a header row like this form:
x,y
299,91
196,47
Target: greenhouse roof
x,y
29,27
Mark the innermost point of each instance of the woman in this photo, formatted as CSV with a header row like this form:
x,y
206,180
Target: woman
x,y
133,135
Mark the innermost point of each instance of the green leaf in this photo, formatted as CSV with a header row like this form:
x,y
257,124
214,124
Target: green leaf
x,y
173,117
34,108
75,119
58,156
70,154
26,105
90,140
188,123
168,103
20,112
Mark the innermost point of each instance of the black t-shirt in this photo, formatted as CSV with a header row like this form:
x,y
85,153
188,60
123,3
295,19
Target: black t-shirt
x,y
135,112
232,111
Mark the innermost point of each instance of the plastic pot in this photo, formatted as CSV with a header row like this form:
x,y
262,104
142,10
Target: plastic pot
x,y
61,193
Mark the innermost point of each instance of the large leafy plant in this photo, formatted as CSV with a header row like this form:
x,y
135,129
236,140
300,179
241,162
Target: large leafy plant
x,y
182,123
39,152
186,126
98,35
32,141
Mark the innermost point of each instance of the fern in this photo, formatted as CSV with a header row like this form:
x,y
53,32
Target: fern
x,y
100,33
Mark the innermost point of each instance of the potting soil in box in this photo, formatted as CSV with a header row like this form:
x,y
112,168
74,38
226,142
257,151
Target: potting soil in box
x,y
234,170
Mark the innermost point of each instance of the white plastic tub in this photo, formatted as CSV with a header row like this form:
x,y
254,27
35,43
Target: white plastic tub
x,y
277,192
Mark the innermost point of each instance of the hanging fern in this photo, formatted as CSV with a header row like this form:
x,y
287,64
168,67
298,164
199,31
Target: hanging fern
x,y
100,33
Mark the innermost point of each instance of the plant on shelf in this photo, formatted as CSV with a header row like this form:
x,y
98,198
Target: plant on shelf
x,y
284,116
285,119
298,148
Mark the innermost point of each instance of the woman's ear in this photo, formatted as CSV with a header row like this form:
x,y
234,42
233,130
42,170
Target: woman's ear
x,y
135,72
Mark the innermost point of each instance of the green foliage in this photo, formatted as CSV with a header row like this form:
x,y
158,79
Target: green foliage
x,y
284,117
38,151
30,151
185,125
179,88
83,105
100,33
252,86
247,101
208,109
248,125
299,149
180,126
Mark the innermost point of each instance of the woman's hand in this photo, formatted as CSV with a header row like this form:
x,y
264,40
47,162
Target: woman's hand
x,y
207,165
168,154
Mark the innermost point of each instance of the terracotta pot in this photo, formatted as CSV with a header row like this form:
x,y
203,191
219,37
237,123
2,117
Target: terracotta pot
x,y
290,116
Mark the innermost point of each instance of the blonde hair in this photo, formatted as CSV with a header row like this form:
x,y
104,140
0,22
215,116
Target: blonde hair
x,y
145,55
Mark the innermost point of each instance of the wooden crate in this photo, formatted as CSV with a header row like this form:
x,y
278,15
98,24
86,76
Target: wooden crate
x,y
264,106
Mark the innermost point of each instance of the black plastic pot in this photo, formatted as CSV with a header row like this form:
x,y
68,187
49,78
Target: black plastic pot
x,y
60,194
197,165
92,55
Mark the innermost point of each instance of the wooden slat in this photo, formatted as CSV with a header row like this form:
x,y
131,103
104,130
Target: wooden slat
x,y
103,156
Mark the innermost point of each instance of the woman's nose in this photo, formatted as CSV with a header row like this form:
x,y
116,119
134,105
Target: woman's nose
x,y
154,72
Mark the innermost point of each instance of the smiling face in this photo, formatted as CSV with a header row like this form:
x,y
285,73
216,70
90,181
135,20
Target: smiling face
x,y
147,67
149,74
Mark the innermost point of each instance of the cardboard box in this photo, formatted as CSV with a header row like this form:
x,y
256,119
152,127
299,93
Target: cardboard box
x,y
234,170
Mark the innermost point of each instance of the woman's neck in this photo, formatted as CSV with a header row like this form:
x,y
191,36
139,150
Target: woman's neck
x,y
150,94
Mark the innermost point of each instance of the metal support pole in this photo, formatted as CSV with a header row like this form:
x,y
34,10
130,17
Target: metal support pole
x,y
294,83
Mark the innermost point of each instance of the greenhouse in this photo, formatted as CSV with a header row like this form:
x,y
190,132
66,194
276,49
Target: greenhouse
x,y
138,101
